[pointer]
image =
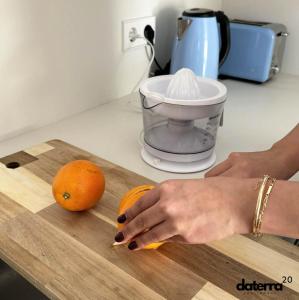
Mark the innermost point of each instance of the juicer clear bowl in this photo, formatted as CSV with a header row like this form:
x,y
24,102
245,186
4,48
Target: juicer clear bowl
x,y
177,136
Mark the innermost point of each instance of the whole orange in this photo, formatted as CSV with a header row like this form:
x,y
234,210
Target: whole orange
x,y
78,185
129,199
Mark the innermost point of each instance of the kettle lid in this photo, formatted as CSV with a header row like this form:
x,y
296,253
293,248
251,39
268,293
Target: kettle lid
x,y
199,13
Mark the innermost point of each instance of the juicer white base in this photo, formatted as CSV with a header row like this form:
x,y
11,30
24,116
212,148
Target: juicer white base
x,y
178,167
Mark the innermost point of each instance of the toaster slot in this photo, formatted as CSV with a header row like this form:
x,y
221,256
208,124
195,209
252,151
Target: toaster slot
x,y
246,22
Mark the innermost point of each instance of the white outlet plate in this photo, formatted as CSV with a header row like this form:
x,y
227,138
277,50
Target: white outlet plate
x,y
139,24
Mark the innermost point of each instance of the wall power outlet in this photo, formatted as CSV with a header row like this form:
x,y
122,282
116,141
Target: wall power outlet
x,y
136,25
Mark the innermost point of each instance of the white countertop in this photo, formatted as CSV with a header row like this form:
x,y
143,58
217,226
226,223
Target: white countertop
x,y
255,117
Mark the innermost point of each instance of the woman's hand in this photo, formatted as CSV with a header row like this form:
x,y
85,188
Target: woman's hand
x,y
275,162
190,211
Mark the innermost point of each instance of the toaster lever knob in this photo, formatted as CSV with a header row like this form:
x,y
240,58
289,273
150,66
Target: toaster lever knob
x,y
275,69
285,34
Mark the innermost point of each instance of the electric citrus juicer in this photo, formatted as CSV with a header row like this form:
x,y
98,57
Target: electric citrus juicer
x,y
181,117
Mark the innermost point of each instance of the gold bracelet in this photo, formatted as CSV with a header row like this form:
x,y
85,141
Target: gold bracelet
x,y
259,204
265,202
262,202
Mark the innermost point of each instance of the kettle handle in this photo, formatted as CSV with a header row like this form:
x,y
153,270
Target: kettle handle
x,y
223,20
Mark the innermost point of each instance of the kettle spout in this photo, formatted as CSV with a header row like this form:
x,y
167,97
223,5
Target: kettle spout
x,y
183,25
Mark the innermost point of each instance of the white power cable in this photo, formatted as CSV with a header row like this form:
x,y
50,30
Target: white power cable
x,y
133,37
148,54
148,68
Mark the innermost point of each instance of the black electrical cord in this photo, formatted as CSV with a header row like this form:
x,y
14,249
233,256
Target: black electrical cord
x,y
158,65
149,34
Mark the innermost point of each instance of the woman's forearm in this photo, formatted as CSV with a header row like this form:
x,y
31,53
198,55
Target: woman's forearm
x,y
282,213
289,148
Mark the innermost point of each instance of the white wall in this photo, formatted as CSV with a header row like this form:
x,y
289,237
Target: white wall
x,y
50,61
279,11
60,57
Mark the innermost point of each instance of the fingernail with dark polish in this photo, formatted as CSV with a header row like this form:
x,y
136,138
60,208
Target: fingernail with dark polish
x,y
133,245
119,237
122,219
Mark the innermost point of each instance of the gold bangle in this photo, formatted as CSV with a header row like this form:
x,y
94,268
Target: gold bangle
x,y
262,202
265,202
259,204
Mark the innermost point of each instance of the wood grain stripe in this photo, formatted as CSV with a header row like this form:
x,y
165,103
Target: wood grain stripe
x,y
21,157
221,270
253,254
109,206
212,292
25,188
161,274
9,209
39,149
103,217
19,259
85,274
279,245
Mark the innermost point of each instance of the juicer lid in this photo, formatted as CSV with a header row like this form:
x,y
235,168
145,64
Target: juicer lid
x,y
212,91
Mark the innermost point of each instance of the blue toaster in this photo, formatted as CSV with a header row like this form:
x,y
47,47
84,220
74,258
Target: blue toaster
x,y
256,52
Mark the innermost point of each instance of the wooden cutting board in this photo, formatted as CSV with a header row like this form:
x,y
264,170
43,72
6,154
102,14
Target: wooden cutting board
x,y
69,255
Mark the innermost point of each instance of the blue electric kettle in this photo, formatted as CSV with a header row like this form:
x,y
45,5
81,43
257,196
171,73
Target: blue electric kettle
x,y
200,44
